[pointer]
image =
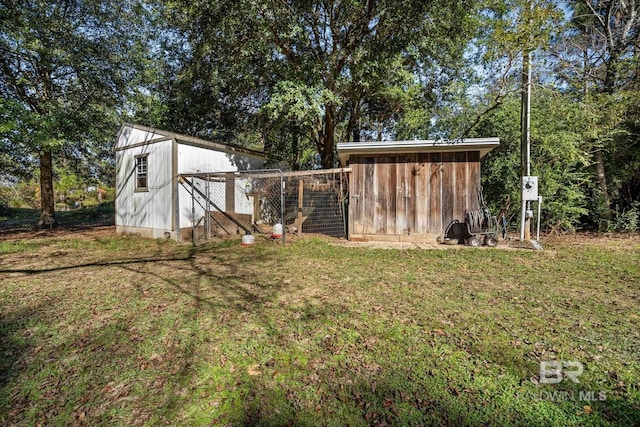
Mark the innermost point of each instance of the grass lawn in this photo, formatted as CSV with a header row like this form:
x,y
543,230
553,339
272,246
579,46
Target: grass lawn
x,y
103,330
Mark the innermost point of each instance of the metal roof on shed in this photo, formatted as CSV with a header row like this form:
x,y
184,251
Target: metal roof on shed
x,y
483,145
158,135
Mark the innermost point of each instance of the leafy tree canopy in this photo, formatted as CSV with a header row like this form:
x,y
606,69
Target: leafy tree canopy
x,y
65,67
353,63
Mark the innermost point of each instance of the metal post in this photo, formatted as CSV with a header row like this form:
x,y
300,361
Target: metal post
x,y
284,231
525,141
193,214
300,200
539,209
207,212
177,209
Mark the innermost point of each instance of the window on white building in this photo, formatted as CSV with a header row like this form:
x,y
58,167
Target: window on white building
x,y
141,172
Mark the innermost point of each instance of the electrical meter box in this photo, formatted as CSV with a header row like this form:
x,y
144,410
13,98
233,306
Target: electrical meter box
x,y
530,188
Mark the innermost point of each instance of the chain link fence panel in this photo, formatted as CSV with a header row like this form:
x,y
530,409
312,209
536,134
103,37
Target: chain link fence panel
x,y
268,202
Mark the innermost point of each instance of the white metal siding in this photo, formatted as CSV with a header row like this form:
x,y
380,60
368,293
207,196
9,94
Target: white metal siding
x,y
150,212
195,159
130,136
200,160
195,209
243,203
217,196
145,209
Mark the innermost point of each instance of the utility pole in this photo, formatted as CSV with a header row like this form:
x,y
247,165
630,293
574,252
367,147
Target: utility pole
x,y
525,144
528,183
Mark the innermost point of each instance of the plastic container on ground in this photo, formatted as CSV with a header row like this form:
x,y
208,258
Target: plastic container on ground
x,y
248,240
277,231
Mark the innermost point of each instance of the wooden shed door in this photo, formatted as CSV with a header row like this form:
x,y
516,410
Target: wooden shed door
x,y
382,195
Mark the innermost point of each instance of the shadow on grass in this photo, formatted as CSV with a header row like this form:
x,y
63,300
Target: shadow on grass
x,y
86,362
226,293
396,396
114,263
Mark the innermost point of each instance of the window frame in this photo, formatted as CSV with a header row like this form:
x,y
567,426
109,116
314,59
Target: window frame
x,y
141,175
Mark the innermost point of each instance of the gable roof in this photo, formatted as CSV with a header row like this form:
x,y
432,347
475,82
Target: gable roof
x,y
483,145
159,135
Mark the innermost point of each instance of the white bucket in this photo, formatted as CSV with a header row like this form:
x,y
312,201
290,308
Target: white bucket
x,y
277,231
248,240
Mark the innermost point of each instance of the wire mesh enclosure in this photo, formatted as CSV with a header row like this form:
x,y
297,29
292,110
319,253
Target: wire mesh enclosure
x,y
271,202
228,204
316,202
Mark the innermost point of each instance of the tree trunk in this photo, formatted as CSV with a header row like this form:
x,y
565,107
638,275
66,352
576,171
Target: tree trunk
x,y
47,201
295,148
611,73
328,140
602,183
353,126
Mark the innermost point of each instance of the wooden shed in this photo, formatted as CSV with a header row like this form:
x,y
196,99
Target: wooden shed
x,y
411,190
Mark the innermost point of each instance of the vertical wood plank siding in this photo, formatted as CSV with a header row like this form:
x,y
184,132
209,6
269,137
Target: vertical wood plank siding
x,y
474,179
460,196
420,193
448,187
368,196
392,200
381,176
401,196
435,192
420,177
409,173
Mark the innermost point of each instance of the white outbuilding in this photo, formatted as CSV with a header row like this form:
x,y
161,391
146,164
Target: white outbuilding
x,y
149,163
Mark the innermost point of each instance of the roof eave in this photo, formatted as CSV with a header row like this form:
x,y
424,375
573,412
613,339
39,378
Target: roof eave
x,y
191,140
483,145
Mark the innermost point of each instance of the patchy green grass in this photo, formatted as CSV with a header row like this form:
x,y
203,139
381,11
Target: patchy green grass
x,y
109,330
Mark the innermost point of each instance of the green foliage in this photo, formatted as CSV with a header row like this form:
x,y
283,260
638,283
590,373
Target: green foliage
x,y
314,71
23,194
559,158
625,219
72,192
510,27
64,72
504,30
293,77
585,104
61,63
597,58
75,192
